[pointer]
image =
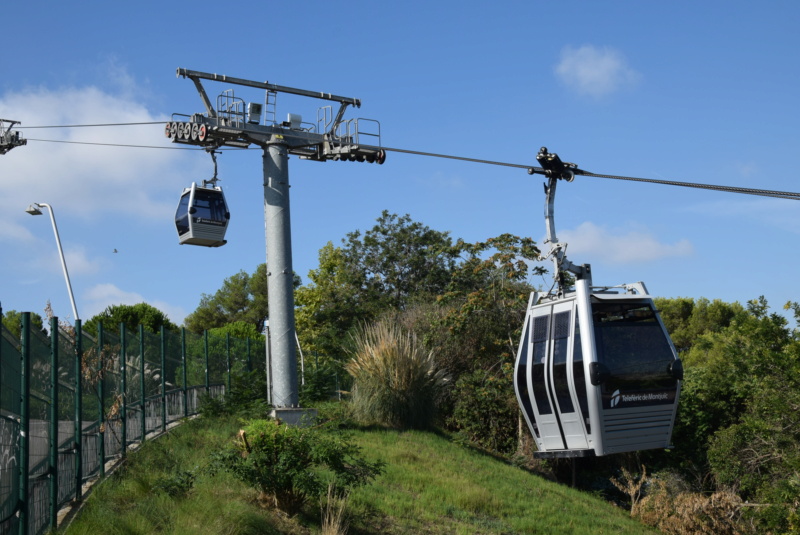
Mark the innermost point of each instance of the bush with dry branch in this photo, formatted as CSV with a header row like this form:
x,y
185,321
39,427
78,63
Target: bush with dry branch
x,y
681,512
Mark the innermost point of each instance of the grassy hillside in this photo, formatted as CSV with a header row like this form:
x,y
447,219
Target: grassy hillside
x,y
430,485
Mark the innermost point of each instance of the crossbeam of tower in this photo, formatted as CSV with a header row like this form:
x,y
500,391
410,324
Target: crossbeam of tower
x,y
10,138
233,122
236,123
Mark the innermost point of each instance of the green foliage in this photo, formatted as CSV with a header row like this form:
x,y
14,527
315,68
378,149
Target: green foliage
x,y
738,427
486,410
428,485
397,262
330,304
399,258
396,382
291,464
176,485
238,329
242,297
132,316
248,397
687,319
485,304
320,384
165,486
12,320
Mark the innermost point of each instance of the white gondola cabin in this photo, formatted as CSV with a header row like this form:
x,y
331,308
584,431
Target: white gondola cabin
x,y
596,372
202,216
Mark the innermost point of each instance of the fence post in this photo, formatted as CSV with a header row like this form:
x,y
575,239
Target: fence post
x,y
143,397
24,422
78,410
163,380
52,463
101,379
123,366
249,362
185,374
205,350
228,352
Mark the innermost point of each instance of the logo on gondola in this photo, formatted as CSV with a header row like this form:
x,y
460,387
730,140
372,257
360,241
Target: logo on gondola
x,y
639,399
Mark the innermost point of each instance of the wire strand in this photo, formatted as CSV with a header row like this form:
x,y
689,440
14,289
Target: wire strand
x,y
539,170
20,127
111,144
462,158
533,169
730,189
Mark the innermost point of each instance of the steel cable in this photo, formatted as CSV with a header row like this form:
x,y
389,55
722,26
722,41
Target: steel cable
x,y
729,189
533,169
580,172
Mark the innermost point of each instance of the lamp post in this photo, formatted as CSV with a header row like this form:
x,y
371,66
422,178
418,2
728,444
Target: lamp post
x,y
35,209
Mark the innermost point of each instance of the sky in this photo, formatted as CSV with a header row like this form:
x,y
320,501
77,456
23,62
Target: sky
x,y
688,91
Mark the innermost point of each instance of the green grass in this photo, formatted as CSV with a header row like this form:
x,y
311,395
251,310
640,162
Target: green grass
x,y
430,485
133,500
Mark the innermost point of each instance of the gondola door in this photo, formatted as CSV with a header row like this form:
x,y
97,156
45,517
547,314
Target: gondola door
x,y
566,382
553,397
539,378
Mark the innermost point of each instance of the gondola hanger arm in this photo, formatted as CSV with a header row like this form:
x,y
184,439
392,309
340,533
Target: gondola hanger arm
x,y
555,169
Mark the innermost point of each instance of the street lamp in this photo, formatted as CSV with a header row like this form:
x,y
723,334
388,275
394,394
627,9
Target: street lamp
x,y
35,209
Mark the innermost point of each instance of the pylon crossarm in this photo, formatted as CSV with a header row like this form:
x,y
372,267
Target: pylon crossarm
x,y
236,123
268,86
8,138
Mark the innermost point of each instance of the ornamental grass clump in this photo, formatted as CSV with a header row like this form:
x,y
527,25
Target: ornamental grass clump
x,y
395,381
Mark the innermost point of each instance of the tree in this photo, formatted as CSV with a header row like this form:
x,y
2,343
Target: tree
x,y
132,316
397,262
399,259
485,301
686,319
242,297
238,329
738,426
330,304
12,320
477,337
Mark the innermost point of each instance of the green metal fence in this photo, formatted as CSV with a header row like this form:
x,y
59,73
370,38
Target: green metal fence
x,y
70,402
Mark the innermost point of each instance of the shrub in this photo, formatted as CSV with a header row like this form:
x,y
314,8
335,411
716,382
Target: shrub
x,y
671,508
320,384
290,464
485,409
395,382
247,397
177,485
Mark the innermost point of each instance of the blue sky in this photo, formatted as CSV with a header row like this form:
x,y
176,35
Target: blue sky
x,y
689,91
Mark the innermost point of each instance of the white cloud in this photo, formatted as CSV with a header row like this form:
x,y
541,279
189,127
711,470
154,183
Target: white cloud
x,y
88,180
747,169
443,181
79,263
619,246
595,71
10,231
